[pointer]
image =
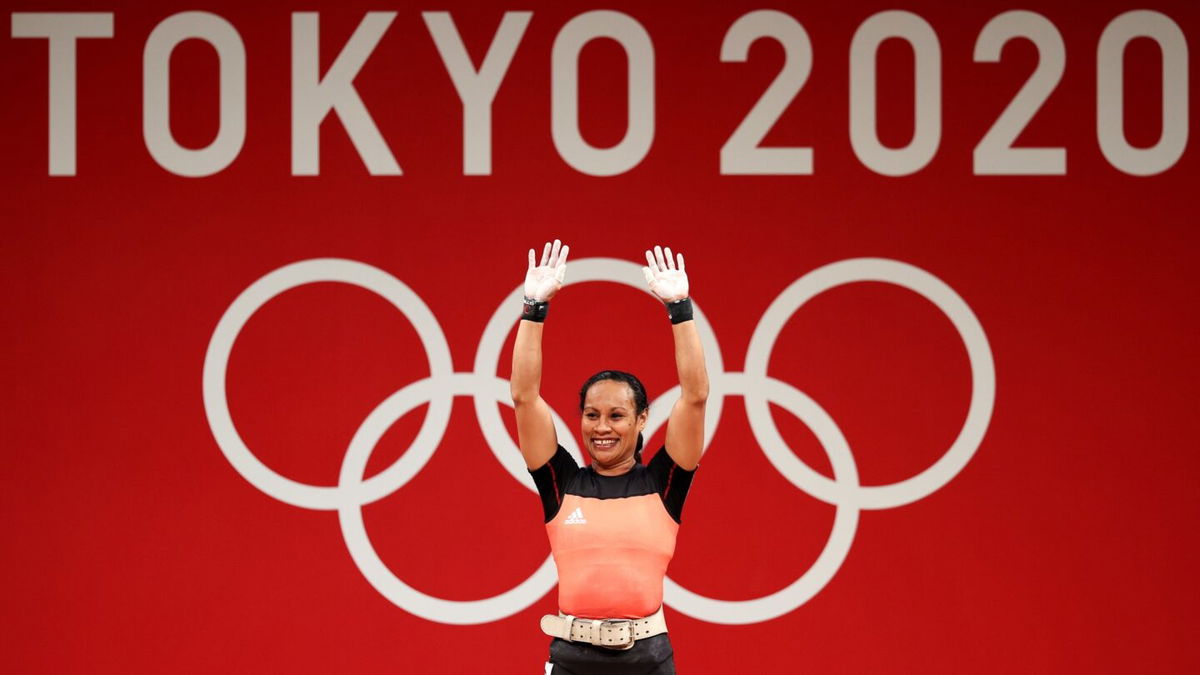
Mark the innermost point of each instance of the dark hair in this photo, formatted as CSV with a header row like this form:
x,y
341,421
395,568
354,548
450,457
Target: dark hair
x,y
640,402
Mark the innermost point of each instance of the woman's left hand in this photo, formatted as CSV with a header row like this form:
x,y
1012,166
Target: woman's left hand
x,y
667,280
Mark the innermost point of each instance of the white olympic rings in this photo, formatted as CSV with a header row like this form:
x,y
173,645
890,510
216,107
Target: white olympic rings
x,y
438,389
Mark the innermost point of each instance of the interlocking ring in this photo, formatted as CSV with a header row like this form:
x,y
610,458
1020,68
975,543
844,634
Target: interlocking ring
x,y
438,390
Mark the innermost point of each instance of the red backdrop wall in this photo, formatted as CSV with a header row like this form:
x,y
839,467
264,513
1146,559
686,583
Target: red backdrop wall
x,y
1063,541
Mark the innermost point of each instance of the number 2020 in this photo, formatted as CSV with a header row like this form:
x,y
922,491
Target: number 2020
x,y
995,153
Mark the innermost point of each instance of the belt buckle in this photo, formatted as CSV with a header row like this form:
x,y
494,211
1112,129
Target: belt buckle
x,y
616,623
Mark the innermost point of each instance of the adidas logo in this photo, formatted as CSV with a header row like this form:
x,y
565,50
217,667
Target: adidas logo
x,y
576,517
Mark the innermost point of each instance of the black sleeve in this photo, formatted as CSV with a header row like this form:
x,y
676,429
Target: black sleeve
x,y
673,482
551,480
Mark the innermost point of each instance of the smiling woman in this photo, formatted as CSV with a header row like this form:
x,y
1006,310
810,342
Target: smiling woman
x,y
612,524
614,408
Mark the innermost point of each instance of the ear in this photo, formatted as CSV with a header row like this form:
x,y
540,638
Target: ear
x,y
642,419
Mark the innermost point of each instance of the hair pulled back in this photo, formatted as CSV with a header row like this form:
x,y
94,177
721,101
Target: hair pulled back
x,y
640,402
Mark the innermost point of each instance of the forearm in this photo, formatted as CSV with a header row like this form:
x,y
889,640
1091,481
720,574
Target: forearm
x,y
526,380
689,362
685,428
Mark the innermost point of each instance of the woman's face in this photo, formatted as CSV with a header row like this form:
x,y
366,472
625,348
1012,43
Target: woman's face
x,y
610,424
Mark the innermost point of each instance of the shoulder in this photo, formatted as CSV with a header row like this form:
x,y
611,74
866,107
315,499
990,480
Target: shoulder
x,y
671,481
662,467
554,478
561,464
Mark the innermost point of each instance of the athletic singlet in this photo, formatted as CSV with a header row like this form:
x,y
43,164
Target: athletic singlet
x,y
612,536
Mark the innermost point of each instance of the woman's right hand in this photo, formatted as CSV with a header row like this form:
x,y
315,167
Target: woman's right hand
x,y
544,280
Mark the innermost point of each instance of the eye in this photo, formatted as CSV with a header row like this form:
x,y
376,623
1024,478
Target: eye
x,y
590,415
617,416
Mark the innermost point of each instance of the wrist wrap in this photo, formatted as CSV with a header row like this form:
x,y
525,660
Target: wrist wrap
x,y
680,310
534,310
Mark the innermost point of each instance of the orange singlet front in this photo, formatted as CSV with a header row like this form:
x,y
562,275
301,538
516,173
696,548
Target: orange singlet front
x,y
612,536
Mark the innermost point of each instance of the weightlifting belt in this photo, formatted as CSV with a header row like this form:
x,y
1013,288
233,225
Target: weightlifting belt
x,y
610,633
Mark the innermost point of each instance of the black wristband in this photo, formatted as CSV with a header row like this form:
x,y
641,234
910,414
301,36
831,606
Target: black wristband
x,y
534,310
680,310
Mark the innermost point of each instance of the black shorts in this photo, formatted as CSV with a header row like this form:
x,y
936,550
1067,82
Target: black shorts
x,y
651,656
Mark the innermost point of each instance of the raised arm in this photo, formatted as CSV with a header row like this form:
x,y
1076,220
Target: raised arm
x,y
535,426
685,427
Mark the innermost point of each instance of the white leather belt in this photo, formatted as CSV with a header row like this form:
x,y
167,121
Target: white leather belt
x,y
611,633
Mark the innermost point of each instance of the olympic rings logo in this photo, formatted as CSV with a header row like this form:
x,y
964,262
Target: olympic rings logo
x,y
757,389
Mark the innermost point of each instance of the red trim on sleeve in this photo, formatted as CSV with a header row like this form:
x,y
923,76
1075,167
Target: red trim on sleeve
x,y
554,481
670,474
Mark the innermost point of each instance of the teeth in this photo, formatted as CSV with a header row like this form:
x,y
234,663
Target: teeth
x,y
608,442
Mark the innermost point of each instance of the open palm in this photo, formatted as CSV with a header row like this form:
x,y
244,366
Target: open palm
x,y
667,279
543,280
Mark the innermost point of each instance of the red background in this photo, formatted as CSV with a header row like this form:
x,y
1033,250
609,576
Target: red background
x,y
1067,543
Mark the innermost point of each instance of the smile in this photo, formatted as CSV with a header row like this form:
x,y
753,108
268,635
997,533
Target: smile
x,y
604,443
